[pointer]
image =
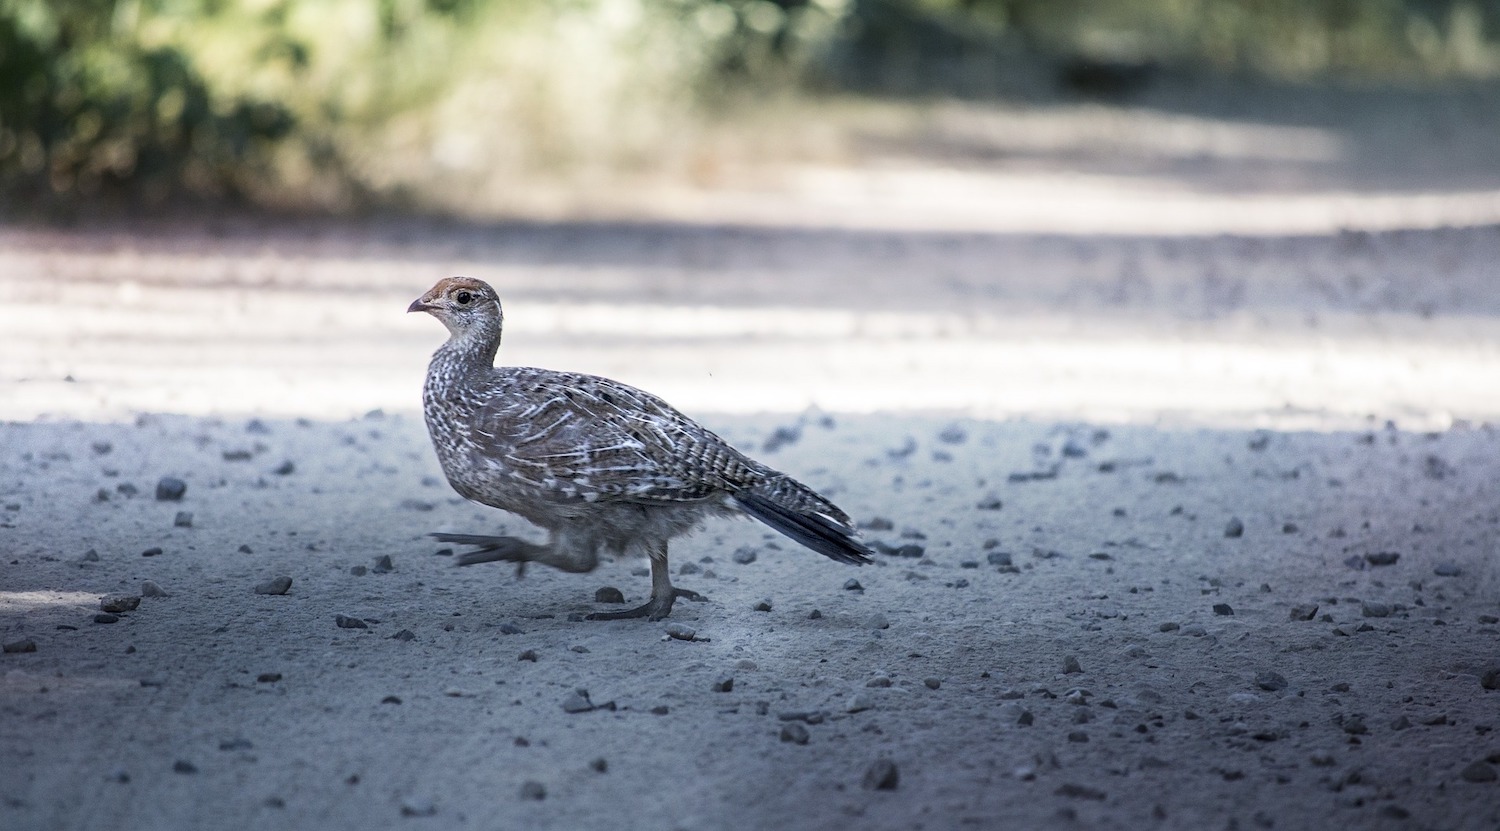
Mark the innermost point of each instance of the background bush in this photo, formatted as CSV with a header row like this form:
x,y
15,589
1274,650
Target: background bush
x,y
336,103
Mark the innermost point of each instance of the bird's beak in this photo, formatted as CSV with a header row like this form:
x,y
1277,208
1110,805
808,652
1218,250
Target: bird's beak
x,y
419,305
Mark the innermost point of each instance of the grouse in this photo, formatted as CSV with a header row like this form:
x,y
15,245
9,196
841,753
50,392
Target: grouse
x,y
596,463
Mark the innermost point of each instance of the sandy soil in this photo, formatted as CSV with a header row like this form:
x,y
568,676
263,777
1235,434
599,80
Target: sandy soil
x,y
1199,527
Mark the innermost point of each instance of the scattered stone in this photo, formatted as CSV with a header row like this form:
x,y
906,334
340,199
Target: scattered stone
x,y
853,585
1072,449
345,622
1223,609
1234,529
404,635
815,615
879,681
418,808
1074,791
106,617
245,549
1401,722
599,765
236,743
1304,612
383,565
762,606
932,683
184,766
795,733
528,655
1289,528
681,632
151,552
858,703
578,702
359,571
998,558
1446,569
882,775
579,648
1078,737
276,585
990,503
151,589
608,594
1169,626
1270,681
532,789
1490,679
126,489
184,519
170,489
102,448
689,568
286,468
909,550
510,628
724,685
1479,772
879,621
1372,608
268,678
1071,666
16,647
391,699
744,555
1382,558
660,710
90,556
119,603
953,434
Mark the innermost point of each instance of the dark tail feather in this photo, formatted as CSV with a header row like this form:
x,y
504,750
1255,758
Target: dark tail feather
x,y
811,530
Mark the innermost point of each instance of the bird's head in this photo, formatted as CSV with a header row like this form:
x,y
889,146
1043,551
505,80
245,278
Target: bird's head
x,y
463,304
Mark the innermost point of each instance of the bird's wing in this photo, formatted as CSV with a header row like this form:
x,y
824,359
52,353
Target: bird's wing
x,y
578,436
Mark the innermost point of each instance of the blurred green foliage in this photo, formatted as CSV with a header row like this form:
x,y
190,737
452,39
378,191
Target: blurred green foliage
x,y
331,102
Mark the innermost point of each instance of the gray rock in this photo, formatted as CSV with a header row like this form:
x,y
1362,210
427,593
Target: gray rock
x,y
882,775
345,622
404,636
608,594
151,552
527,655
276,585
184,519
599,765
170,489
119,603
879,621
1223,609
1372,608
106,617
879,681
998,558
724,685
1270,681
286,468
990,503
681,632
383,565
1479,772
1234,529
184,766
532,789
90,556
151,589
1071,666
23,645
1382,558
932,683
744,555
853,585
1490,678
858,703
418,807
1447,570
762,606
578,702
1304,612
795,733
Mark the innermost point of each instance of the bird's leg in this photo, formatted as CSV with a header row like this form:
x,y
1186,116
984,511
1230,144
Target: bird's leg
x,y
663,593
495,549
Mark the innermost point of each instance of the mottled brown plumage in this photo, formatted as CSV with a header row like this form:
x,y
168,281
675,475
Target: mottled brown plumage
x,y
597,463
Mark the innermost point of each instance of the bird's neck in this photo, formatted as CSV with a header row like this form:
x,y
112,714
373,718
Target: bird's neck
x,y
471,349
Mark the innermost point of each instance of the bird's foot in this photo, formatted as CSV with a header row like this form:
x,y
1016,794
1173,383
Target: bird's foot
x,y
491,550
656,609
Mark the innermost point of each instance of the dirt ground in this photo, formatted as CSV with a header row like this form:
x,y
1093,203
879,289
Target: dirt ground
x,y
1178,530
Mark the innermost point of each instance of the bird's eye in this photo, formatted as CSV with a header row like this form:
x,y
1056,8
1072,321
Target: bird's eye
x,y
463,298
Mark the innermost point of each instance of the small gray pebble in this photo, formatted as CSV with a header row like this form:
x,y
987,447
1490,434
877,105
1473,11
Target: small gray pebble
x,y
532,789
184,766
1169,626
1304,612
245,549
120,603
345,622
881,775
510,628
724,685
24,645
276,585
237,743
879,621
170,489
815,615
998,558
184,519
151,552
418,808
858,703
1447,570
106,617
286,468
90,556
1071,666
853,585
879,681
359,571
383,564
1234,528
689,568
599,765
577,702
1270,681
762,606
404,635
528,655
608,594
1382,558
1223,609
151,589
794,733
1479,772
681,632
744,555
932,683
268,678
990,503
1372,608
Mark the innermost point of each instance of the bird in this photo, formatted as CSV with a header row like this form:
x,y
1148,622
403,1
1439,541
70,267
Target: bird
x,y
598,464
